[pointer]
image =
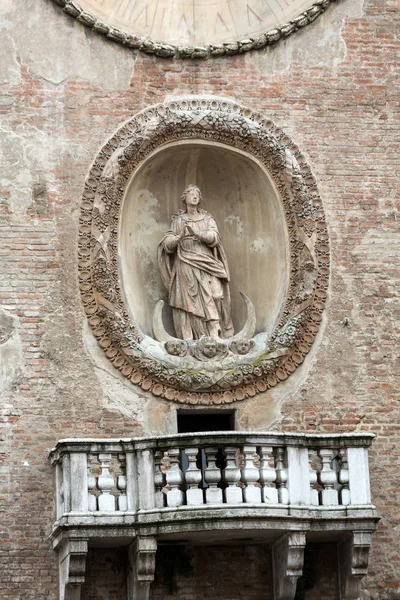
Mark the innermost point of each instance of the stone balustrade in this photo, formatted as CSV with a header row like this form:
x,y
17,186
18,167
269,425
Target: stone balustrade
x,y
198,470
280,487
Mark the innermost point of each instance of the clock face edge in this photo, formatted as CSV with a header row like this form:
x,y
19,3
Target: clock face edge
x,y
195,28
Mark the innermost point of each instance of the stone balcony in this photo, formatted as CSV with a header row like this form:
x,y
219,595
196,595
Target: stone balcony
x,y
277,488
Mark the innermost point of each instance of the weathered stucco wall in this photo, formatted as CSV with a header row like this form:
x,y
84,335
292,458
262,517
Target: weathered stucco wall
x,y
333,88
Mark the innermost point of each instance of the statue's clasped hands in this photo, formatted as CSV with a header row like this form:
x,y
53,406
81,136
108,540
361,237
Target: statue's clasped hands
x,y
188,232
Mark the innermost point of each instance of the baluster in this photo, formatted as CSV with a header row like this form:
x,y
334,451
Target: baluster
x,y
122,498
268,475
281,476
314,496
212,476
231,476
344,479
194,495
93,471
328,479
92,500
250,475
158,479
122,483
105,483
174,479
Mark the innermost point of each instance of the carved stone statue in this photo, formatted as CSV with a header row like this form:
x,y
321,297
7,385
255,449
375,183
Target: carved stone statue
x,y
194,268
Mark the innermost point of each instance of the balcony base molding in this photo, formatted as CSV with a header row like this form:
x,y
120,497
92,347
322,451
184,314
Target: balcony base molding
x,y
287,564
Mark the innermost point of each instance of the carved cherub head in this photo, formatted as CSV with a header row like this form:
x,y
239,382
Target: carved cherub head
x,y
176,347
208,348
241,346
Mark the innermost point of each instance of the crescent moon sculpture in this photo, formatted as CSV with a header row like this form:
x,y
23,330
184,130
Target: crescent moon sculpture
x,y
161,335
249,327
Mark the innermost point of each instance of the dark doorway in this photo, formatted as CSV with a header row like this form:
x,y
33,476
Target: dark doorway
x,y
205,421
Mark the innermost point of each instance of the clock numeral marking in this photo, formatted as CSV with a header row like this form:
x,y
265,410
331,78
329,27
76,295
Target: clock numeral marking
x,y
162,17
123,9
250,10
120,7
145,13
220,21
282,4
183,21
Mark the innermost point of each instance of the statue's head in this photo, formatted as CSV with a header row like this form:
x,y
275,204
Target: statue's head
x,y
193,192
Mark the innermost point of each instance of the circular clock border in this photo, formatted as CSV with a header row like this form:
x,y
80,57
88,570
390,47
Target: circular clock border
x,y
163,50
226,122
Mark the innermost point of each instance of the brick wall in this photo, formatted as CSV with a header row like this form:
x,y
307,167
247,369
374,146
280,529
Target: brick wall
x,y
194,572
107,571
234,572
334,88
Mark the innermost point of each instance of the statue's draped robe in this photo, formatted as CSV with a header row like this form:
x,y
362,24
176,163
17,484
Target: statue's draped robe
x,y
196,275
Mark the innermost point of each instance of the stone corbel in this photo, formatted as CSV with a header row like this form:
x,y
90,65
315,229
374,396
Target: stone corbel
x,y
287,564
72,561
142,564
353,564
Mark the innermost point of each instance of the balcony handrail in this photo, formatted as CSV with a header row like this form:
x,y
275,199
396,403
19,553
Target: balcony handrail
x,y
272,438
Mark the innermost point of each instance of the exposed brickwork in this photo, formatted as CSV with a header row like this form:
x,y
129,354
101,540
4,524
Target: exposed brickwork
x,y
234,572
106,570
321,572
343,112
193,573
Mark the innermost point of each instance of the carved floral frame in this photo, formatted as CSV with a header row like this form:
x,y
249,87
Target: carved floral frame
x,y
226,122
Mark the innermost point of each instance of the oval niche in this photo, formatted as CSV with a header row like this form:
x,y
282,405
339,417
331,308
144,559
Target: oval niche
x,y
239,194
259,188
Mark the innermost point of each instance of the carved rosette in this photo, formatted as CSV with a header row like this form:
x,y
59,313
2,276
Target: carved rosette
x,y
226,122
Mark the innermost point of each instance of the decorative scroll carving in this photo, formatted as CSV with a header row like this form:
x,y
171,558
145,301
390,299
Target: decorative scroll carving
x,y
142,563
353,563
287,564
179,374
163,50
72,561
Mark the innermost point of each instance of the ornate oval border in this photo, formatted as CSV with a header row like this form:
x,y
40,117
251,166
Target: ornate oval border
x,y
213,50
229,123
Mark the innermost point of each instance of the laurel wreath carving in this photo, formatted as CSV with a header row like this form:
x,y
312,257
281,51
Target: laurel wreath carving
x,y
136,42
